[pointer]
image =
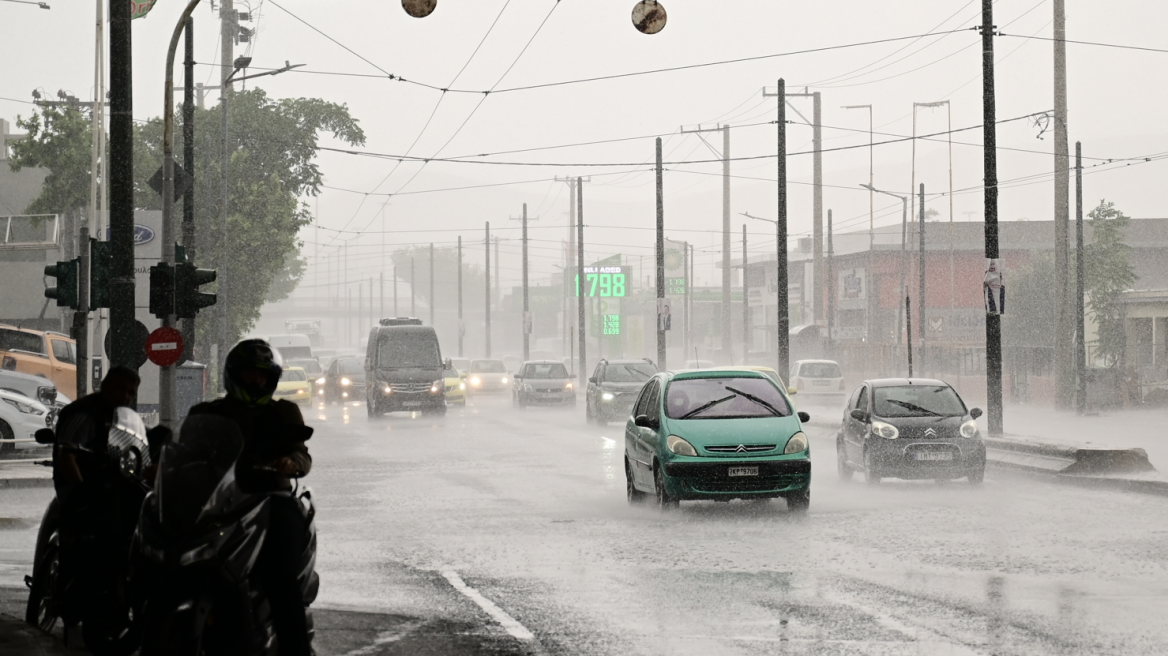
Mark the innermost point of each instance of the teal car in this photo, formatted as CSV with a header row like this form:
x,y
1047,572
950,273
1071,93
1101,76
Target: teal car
x,y
716,435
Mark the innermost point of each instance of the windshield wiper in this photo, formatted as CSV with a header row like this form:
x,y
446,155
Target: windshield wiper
x,y
914,407
707,406
757,400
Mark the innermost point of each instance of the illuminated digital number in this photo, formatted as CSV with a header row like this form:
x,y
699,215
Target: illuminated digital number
x,y
618,284
592,278
605,284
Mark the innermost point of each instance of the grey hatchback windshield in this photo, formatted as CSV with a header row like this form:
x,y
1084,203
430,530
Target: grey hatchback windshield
x,y
408,351
554,371
819,370
724,398
488,367
636,372
917,401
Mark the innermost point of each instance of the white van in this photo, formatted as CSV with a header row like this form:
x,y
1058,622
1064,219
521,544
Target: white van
x,y
292,347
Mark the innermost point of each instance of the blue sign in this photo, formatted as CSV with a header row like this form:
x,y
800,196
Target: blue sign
x,y
142,234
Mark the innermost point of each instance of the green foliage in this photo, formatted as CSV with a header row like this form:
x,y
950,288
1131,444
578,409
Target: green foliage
x,y
1108,273
272,146
59,139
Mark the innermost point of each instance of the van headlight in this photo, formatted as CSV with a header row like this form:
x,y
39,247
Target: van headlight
x,y
969,429
387,389
680,446
437,386
887,431
346,381
797,444
320,381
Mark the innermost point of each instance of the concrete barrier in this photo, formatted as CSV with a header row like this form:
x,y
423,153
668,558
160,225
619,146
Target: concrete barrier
x,y
1053,458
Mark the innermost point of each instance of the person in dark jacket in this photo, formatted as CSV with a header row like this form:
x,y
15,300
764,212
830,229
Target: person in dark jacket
x,y
273,453
81,475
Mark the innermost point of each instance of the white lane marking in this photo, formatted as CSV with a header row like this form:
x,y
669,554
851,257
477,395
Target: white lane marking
x,y
383,638
508,623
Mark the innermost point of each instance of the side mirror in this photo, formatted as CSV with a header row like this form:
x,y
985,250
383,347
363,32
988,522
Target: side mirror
x,y
792,391
859,415
45,436
804,417
644,422
448,364
592,379
517,377
975,413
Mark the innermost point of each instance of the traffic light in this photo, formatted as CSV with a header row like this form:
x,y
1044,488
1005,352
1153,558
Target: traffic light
x,y
188,300
161,290
101,261
66,290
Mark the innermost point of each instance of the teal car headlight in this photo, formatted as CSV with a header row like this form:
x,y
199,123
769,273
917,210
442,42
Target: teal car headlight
x,y
887,431
607,396
680,446
797,444
969,429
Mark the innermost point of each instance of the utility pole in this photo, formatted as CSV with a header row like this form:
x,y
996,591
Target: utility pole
x,y
908,317
661,363
395,291
526,303
461,328
1081,345
121,187
830,288
727,346
685,344
872,214
188,132
903,252
745,303
921,278
228,28
1064,334
990,145
487,296
580,333
783,321
381,294
413,287
570,264
432,299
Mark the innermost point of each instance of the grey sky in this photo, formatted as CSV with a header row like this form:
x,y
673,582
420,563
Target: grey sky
x,y
1115,106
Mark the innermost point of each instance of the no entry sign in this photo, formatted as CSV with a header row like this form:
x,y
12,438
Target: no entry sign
x,y
164,346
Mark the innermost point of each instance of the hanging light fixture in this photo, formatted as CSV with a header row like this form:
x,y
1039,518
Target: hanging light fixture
x,y
649,16
419,8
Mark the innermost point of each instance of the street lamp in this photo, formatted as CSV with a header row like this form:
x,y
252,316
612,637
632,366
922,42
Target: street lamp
x,y
780,251
42,5
903,245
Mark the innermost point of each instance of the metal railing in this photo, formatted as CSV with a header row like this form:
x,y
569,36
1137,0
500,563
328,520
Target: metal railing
x,y
11,244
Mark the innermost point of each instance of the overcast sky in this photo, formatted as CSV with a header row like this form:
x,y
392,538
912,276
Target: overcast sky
x,y
1116,109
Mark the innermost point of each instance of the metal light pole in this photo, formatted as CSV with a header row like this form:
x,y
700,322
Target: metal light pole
x,y
526,300
432,300
921,281
830,287
661,255
580,332
461,328
1081,345
903,247
487,296
745,302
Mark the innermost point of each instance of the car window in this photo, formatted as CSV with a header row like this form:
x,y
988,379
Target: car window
x,y
719,398
653,401
862,400
642,401
853,398
290,375
629,372
64,351
917,401
551,370
350,366
820,370
16,340
488,367
408,350
598,373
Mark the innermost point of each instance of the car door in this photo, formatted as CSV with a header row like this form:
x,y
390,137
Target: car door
x,y
64,365
856,430
638,462
648,436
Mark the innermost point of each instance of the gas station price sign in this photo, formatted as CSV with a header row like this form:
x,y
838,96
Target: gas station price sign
x,y
675,286
604,281
611,323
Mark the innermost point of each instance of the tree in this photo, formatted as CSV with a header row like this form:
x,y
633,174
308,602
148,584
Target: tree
x,y
60,140
1108,273
1034,310
272,146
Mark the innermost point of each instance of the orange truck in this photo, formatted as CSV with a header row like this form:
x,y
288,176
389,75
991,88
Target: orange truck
x,y
41,353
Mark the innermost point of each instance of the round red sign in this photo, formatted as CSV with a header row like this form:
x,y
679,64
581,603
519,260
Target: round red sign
x,y
164,346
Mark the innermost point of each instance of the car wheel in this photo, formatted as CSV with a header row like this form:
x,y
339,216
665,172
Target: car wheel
x,y
665,502
977,477
841,460
870,469
6,434
635,496
799,503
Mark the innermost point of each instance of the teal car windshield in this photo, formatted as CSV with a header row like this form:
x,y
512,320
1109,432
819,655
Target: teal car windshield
x,y
917,401
724,398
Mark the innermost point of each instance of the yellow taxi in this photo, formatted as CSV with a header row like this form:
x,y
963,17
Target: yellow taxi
x,y
294,386
455,380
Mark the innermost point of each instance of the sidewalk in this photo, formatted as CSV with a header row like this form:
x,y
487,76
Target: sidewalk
x,y
24,475
19,639
1145,429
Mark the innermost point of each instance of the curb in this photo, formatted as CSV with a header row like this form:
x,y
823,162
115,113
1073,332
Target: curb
x,y
1068,459
19,483
16,637
1140,486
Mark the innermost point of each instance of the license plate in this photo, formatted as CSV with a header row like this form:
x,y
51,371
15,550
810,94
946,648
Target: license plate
x,y
411,404
934,455
821,383
743,471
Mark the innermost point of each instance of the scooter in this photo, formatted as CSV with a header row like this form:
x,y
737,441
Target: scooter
x,y
197,542
95,592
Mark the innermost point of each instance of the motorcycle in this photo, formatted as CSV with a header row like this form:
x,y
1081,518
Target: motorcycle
x,y
94,591
198,539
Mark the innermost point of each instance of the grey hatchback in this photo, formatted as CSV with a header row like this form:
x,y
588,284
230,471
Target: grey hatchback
x,y
543,382
909,428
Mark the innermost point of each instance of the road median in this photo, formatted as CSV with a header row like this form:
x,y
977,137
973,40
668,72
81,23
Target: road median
x,y
1126,469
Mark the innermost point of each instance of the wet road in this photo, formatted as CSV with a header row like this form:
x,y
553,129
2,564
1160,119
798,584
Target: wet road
x,y
494,530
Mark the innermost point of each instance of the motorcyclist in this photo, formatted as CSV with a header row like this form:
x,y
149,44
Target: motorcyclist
x,y
273,453
80,473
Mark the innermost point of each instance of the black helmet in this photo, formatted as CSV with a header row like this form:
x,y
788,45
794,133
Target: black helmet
x,y
253,354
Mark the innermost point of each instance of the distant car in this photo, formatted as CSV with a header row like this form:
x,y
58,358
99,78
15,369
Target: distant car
x,y
309,365
455,384
613,388
343,381
766,371
910,428
40,353
512,363
487,376
294,386
699,364
461,364
543,382
36,388
818,380
716,435
20,418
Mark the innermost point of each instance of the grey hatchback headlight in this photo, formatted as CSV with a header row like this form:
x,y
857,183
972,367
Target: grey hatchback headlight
x,y
680,446
969,429
797,444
